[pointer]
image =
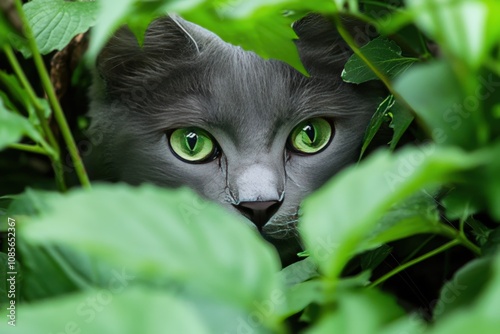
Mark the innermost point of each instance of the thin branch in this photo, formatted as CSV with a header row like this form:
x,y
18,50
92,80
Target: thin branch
x,y
54,102
29,148
408,264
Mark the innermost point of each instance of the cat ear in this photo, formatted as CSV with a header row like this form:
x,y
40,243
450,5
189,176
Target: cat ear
x,y
321,48
169,42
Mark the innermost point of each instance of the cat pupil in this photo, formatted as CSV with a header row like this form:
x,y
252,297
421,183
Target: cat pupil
x,y
309,130
191,140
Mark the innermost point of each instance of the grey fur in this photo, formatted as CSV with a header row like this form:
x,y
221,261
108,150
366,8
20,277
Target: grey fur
x,y
249,105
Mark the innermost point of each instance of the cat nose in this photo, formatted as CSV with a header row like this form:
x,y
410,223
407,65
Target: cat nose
x,y
259,212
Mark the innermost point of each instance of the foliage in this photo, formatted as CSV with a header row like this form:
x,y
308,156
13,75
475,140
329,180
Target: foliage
x,y
99,258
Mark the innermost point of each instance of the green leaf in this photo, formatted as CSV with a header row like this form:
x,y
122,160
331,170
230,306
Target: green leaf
x,y
13,127
338,217
384,54
69,271
299,272
6,30
111,15
464,288
433,92
269,34
480,189
301,295
374,308
481,313
460,26
415,215
170,235
376,121
6,273
371,259
458,205
242,8
259,26
132,311
56,22
19,94
401,120
492,244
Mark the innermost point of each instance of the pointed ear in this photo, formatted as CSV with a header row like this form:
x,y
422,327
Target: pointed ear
x,y
321,48
169,42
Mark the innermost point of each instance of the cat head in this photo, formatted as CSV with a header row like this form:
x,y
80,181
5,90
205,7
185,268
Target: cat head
x,y
255,135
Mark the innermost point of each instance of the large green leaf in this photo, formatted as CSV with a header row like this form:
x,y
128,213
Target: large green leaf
x,y
385,55
258,26
8,271
337,218
462,27
415,215
6,29
374,308
434,93
132,311
56,22
475,315
164,234
464,288
13,127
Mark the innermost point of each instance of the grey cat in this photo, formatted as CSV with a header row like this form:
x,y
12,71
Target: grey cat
x,y
254,135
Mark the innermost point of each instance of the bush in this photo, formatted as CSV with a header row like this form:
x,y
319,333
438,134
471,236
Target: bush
x,y
122,259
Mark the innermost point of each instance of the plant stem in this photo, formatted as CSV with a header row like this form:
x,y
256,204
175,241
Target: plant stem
x,y
54,102
29,148
418,248
452,233
55,153
424,46
357,51
33,98
408,264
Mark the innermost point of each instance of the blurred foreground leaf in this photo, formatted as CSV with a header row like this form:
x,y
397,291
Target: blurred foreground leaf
x,y
169,234
136,310
334,225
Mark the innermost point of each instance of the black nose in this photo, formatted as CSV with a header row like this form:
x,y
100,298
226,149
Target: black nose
x,y
258,212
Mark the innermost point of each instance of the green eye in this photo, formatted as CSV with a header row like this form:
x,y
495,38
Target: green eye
x,y
311,136
192,144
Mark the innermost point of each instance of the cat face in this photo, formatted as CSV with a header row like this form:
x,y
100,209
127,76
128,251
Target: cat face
x,y
254,135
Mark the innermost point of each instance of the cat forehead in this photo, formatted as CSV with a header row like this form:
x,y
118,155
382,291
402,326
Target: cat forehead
x,y
241,93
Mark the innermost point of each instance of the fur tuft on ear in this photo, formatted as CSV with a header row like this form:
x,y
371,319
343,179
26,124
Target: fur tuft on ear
x,y
321,48
169,43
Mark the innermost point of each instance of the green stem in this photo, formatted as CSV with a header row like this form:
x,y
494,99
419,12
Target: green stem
x,y
54,102
452,233
54,150
357,51
29,148
408,264
418,248
424,46
14,63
